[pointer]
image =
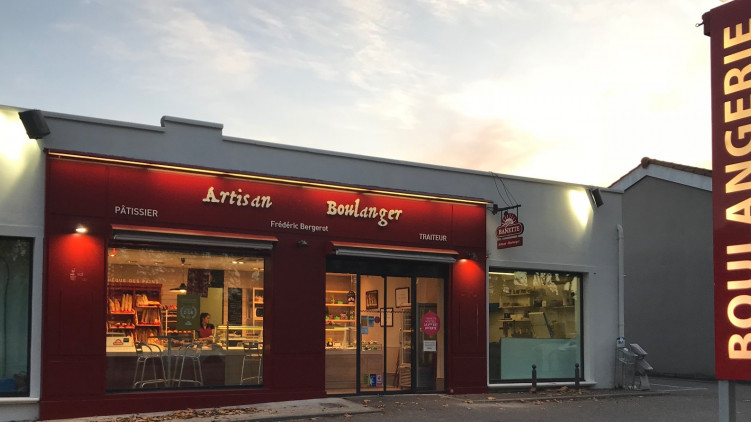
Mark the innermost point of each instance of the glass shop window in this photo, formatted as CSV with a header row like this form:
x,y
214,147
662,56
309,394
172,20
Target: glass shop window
x,y
179,319
534,318
15,316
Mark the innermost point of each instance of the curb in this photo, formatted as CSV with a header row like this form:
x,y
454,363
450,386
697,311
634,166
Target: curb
x,y
531,397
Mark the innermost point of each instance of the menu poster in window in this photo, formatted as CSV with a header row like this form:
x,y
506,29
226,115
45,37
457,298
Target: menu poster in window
x,y
199,281
234,306
187,312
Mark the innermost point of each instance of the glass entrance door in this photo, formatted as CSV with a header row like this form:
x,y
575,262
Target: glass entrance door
x,y
384,333
401,334
429,334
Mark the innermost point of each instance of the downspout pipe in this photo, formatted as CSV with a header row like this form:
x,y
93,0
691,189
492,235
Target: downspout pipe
x,y
621,282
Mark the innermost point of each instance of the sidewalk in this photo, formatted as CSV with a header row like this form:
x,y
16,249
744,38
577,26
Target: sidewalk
x,y
277,411
318,408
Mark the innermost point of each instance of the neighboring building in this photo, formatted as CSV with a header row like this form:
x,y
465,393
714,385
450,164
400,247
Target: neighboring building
x,y
323,273
667,221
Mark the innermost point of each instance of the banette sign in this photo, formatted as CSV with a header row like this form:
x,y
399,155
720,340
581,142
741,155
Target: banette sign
x,y
509,231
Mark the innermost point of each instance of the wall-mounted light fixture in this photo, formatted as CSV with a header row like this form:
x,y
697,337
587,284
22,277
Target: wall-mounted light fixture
x,y
81,229
34,123
596,197
302,243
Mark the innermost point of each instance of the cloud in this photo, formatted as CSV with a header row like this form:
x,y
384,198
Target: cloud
x,y
165,47
454,11
491,145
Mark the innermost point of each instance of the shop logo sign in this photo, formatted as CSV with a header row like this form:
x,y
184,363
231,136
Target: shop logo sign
x,y
510,228
383,215
237,198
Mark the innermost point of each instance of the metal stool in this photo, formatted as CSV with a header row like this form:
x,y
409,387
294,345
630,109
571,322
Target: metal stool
x,y
191,352
145,353
252,354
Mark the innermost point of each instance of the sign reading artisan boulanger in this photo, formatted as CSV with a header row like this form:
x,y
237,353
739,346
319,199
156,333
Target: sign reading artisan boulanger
x,y
138,195
729,27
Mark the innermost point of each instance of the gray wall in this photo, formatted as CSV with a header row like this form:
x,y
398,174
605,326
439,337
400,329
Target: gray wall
x,y
668,266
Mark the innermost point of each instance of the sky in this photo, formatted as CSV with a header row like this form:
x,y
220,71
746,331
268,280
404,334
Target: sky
x,y
569,90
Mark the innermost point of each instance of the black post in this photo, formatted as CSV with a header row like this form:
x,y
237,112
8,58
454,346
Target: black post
x,y
534,379
576,376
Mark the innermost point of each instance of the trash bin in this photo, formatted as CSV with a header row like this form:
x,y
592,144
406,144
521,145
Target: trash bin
x,y
625,368
641,367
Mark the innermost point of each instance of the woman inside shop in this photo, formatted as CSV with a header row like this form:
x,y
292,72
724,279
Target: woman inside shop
x,y
205,330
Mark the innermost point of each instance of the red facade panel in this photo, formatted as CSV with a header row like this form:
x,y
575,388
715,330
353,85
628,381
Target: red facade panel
x,y
101,196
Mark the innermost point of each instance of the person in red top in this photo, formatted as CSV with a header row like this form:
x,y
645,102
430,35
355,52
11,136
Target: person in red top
x,y
205,330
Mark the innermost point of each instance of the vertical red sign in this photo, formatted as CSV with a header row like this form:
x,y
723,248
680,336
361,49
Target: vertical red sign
x,y
729,28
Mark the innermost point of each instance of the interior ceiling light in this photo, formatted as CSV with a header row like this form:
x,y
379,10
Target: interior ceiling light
x,y
182,288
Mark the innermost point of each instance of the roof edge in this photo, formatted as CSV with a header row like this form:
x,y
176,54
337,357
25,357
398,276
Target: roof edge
x,y
695,177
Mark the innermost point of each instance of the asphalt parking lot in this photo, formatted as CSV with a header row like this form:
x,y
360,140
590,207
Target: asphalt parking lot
x,y
669,399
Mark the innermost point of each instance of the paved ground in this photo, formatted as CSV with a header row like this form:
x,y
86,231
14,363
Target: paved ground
x,y
669,399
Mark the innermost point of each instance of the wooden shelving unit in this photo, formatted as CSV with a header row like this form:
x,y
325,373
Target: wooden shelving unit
x,y
133,309
340,319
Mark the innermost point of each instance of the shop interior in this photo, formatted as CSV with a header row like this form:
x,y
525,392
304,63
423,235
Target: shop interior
x,y
155,299
534,319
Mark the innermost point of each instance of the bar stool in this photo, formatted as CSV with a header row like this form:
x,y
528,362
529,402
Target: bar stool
x,y
252,354
148,352
191,352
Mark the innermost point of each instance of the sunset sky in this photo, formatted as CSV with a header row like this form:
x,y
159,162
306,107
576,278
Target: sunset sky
x,y
570,90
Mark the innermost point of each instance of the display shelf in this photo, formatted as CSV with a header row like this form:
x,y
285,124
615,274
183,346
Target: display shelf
x,y
404,360
341,333
256,313
234,335
133,309
114,327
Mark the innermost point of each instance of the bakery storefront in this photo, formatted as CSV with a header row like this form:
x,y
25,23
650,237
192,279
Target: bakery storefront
x,y
166,286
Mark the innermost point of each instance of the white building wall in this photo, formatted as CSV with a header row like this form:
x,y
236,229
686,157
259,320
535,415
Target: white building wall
x,y
565,231
22,215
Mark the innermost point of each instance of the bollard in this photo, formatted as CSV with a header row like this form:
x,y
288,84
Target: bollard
x,y
576,376
534,379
